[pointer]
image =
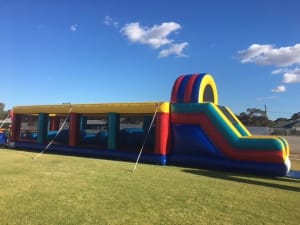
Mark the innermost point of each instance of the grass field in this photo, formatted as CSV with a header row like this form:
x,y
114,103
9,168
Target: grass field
x,y
57,189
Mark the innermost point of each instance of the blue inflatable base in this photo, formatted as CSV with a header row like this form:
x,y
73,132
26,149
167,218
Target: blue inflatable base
x,y
177,159
294,174
93,152
223,164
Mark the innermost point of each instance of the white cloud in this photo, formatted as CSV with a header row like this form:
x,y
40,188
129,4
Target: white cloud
x,y
279,89
73,27
174,49
108,21
269,55
280,71
291,78
155,36
284,57
289,75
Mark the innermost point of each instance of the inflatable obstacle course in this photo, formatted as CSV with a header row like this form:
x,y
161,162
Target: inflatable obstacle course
x,y
192,130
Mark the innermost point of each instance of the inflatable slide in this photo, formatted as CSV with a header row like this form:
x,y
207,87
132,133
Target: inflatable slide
x,y
212,136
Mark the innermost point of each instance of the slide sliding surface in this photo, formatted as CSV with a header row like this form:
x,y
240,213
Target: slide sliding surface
x,y
230,138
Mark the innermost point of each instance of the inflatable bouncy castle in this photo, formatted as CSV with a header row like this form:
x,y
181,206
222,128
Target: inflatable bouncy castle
x,y
190,130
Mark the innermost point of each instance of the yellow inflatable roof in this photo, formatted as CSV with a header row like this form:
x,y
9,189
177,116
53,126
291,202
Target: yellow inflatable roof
x,y
125,108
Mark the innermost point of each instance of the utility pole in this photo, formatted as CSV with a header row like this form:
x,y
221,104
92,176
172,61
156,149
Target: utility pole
x,y
266,111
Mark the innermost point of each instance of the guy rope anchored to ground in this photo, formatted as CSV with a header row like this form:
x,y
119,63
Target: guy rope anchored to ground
x,y
4,121
3,132
53,139
146,137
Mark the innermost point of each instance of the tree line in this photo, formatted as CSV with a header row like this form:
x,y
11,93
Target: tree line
x,y
258,118
252,117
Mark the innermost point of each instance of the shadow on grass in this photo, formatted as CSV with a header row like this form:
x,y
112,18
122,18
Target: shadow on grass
x,y
248,179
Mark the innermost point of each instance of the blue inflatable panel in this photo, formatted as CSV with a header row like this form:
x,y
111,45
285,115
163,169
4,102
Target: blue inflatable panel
x,y
182,87
265,169
196,88
95,152
99,138
131,137
294,174
3,138
191,139
51,135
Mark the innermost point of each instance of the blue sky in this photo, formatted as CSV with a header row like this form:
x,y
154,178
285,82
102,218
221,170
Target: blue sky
x,y
52,52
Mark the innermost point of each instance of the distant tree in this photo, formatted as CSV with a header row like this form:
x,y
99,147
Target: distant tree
x,y
2,113
244,118
295,116
255,117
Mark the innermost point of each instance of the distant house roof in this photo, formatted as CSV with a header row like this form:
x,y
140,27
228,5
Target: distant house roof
x,y
289,124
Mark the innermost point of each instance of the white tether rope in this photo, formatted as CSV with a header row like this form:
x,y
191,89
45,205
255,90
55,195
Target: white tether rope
x,y
53,139
3,121
145,139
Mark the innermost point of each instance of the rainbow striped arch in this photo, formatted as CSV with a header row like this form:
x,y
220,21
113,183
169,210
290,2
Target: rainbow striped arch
x,y
195,88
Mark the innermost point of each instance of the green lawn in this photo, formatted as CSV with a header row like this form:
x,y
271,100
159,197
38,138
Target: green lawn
x,y
57,189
